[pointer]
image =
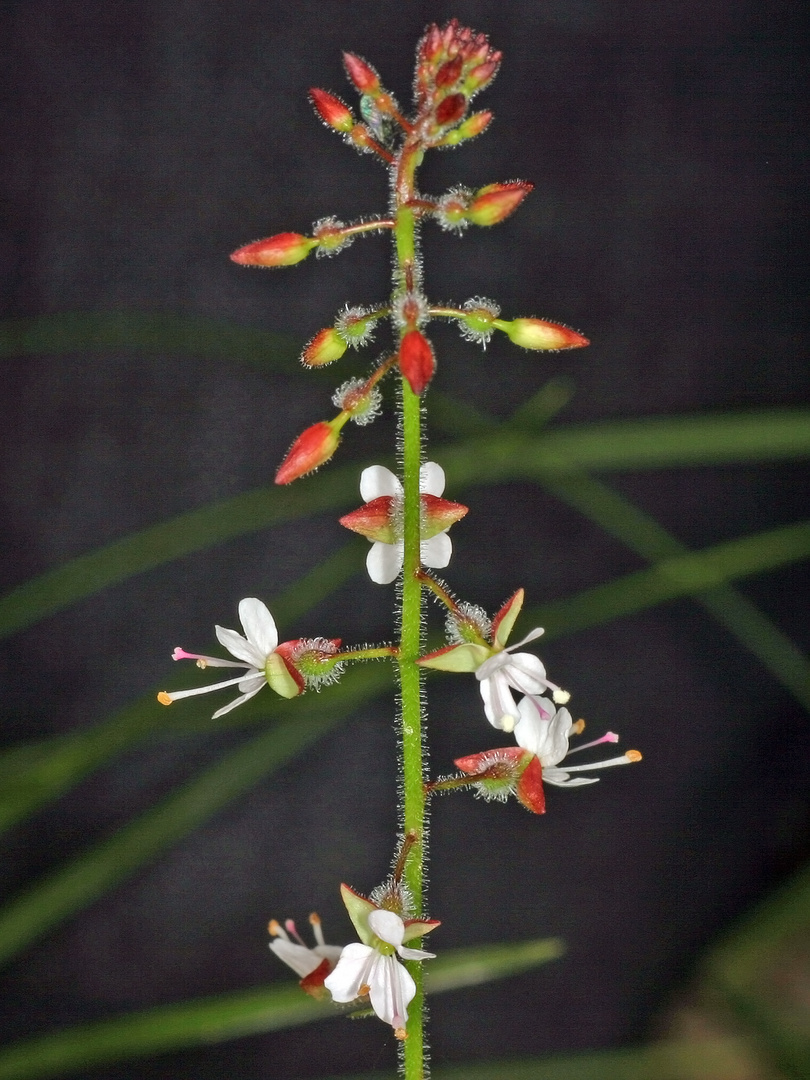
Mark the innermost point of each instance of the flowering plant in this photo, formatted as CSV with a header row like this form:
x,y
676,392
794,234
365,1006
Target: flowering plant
x,y
407,519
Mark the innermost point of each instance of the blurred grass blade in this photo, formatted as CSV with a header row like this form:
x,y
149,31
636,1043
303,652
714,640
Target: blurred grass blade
x,y
621,518
33,775
760,969
756,436
81,881
701,1059
149,332
681,575
229,1016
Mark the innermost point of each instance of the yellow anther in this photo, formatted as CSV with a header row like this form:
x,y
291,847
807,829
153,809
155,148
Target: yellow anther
x,y
578,727
202,663
633,755
401,1034
164,698
273,928
314,919
364,990
507,723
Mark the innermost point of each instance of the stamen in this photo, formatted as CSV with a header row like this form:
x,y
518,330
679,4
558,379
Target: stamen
x,y
364,990
164,698
508,723
315,923
625,759
275,930
609,736
577,728
560,696
400,1033
177,694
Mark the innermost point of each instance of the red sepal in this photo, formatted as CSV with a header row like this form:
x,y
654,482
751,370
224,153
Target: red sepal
x,y
284,650
529,789
416,360
451,109
372,520
312,984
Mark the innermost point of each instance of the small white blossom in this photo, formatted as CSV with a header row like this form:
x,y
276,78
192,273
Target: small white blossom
x,y
507,671
363,969
288,946
544,731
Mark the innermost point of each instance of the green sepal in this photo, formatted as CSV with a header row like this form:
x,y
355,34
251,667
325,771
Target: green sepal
x,y
466,657
359,909
504,621
279,678
416,928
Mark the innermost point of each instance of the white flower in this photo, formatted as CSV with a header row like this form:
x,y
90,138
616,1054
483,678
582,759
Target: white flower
x,y
295,954
544,731
384,560
507,671
363,969
255,653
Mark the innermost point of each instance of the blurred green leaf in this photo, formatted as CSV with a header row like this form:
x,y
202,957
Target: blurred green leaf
x,y
756,436
680,575
229,1016
65,890
34,775
149,332
707,1059
761,970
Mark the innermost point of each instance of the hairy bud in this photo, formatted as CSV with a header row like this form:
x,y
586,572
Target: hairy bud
x,y
541,335
362,74
326,347
416,360
283,249
312,448
331,110
493,203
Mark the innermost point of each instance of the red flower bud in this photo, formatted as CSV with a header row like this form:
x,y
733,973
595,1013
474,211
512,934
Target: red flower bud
x,y
542,335
495,202
416,360
448,73
451,109
331,110
363,75
471,127
326,346
283,249
312,448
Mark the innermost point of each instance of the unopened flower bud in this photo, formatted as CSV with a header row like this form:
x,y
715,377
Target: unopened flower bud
x,y
312,448
474,125
283,249
495,202
542,335
416,360
448,74
331,110
326,347
362,74
451,109
482,75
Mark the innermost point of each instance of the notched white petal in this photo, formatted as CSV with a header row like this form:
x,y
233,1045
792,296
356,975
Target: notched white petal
x,y
431,479
376,480
258,624
384,562
436,551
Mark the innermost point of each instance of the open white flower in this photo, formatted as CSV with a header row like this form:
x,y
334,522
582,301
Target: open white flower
x,y
380,520
544,730
375,970
311,965
255,653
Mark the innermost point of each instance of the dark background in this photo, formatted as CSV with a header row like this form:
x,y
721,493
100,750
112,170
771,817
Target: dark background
x,y
141,143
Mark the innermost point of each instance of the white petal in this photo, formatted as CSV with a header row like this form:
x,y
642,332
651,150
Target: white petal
x,y
533,635
526,673
237,701
384,562
532,727
253,681
302,960
392,989
351,972
436,551
560,778
259,625
415,954
499,705
387,925
240,647
556,746
431,479
376,480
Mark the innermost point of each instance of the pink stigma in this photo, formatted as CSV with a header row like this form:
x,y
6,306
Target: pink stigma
x,y
181,654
